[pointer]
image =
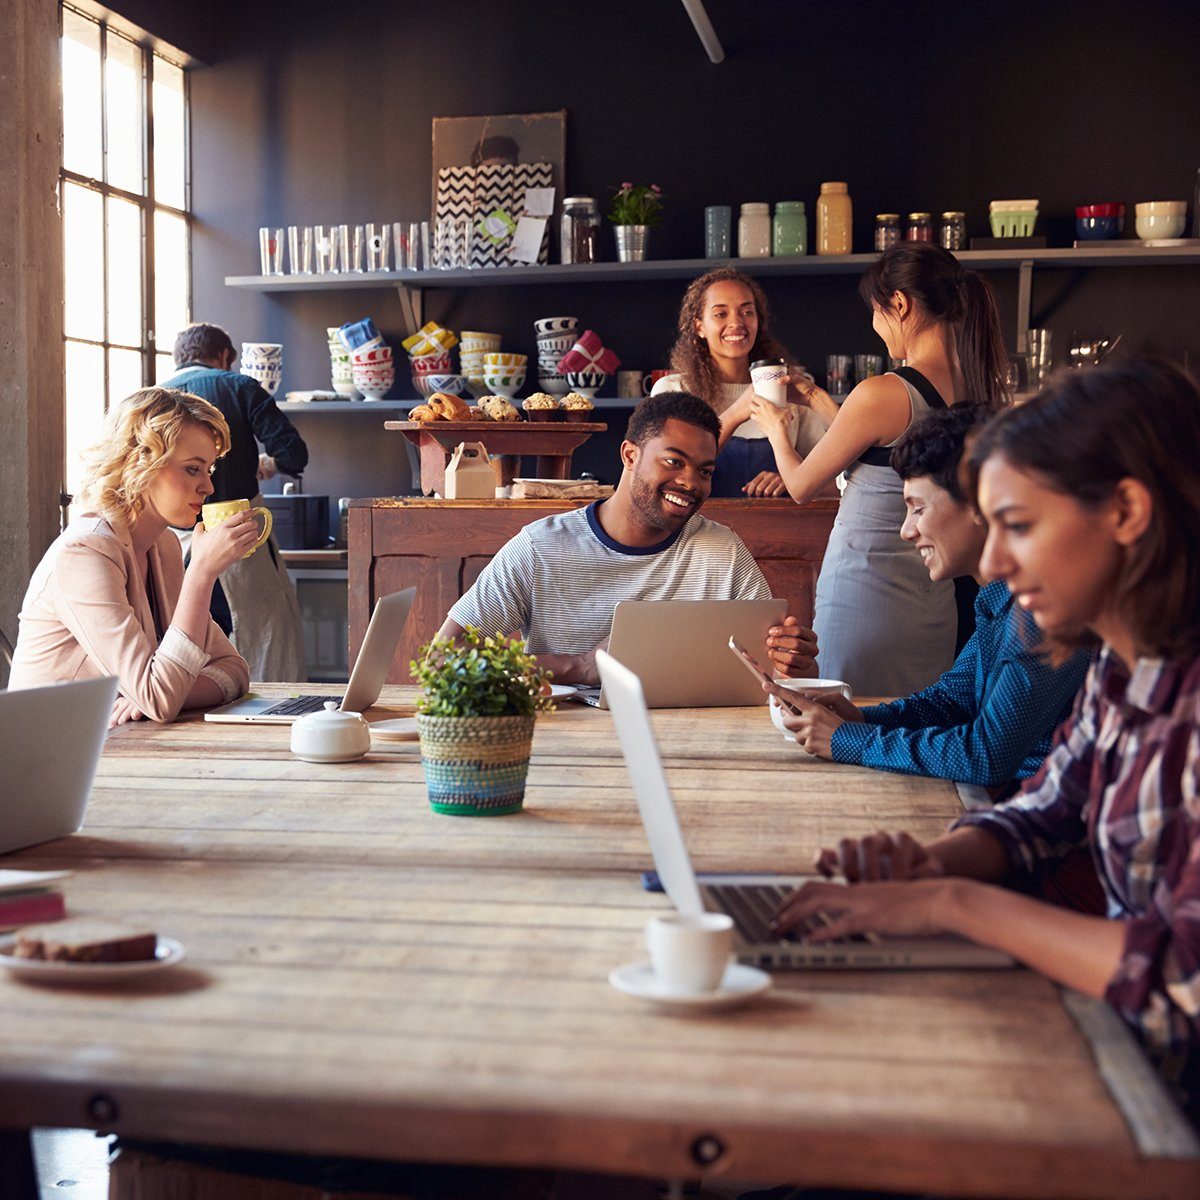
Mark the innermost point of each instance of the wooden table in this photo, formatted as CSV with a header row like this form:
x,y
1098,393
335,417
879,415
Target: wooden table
x,y
552,442
366,978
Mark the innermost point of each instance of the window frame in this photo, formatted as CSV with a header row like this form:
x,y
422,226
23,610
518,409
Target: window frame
x,y
148,204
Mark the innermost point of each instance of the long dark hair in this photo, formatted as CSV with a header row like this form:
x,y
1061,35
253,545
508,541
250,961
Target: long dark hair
x,y
944,291
691,357
1086,432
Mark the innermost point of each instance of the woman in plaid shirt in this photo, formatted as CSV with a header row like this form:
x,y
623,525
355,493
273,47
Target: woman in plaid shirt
x,y
1092,495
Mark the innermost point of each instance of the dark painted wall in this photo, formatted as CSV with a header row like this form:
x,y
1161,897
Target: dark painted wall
x,y
321,113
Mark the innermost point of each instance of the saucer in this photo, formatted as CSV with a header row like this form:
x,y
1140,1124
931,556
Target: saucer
x,y
399,729
167,953
741,983
560,691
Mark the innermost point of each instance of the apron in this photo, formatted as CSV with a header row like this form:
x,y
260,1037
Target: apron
x,y
738,463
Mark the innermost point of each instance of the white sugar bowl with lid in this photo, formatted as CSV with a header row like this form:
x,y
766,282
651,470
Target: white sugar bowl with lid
x,y
330,736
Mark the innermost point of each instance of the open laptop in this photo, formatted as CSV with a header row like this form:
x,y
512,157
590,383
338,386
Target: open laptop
x,y
751,900
681,650
366,680
50,743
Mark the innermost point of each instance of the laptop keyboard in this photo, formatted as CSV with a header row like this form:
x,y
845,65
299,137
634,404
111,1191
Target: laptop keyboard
x,y
752,905
297,706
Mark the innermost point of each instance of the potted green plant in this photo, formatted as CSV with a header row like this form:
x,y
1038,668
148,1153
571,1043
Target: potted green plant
x,y
634,211
479,699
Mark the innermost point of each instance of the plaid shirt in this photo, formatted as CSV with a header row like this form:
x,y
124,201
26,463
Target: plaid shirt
x,y
1124,777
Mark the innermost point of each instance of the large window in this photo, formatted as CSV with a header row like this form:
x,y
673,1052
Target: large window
x,y
125,220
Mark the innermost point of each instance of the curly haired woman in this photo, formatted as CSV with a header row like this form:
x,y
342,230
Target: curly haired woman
x,y
111,596
724,326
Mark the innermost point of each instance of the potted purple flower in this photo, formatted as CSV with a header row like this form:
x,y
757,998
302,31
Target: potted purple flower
x,y
635,209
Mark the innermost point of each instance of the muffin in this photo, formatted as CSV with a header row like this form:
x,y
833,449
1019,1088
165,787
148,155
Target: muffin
x,y
498,408
576,407
541,407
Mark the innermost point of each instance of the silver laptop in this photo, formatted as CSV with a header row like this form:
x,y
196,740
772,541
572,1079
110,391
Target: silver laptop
x,y
751,900
681,650
50,743
366,680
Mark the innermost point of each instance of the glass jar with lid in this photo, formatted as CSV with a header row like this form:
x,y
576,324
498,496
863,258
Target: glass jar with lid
x,y
919,228
834,219
953,230
790,228
754,231
580,230
887,230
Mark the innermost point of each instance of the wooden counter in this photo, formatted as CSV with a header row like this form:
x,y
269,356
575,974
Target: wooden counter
x,y
440,546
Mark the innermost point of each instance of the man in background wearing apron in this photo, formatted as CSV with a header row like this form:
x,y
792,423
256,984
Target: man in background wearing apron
x,y
254,600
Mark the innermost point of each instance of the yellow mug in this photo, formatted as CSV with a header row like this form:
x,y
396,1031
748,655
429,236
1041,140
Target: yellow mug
x,y
221,510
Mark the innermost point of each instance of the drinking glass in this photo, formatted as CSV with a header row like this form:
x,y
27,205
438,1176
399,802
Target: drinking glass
x,y
837,373
343,249
377,247
1039,356
356,260
465,242
867,365
270,249
323,243
277,252
293,232
306,250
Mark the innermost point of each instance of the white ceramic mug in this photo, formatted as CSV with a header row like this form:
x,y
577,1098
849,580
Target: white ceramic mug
x,y
810,688
689,954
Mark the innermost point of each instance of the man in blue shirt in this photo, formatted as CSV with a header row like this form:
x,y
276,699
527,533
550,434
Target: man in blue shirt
x,y
989,719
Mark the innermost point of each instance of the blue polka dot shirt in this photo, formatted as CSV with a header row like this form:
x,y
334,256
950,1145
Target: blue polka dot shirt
x,y
988,720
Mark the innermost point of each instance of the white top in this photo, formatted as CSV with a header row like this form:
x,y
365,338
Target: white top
x,y
558,580
807,428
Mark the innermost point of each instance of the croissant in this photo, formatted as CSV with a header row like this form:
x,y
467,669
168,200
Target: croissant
x,y
422,413
449,408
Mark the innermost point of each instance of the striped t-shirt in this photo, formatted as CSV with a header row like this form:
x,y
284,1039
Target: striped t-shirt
x,y
558,580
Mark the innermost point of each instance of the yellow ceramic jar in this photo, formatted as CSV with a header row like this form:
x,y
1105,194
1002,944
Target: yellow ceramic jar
x,y
834,219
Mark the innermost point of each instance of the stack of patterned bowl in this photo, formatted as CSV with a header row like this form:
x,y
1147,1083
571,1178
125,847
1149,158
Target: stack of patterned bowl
x,y
555,336
371,365
473,345
339,363
429,356
504,374
263,361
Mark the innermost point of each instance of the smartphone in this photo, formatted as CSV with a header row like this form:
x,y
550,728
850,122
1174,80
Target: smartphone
x,y
751,665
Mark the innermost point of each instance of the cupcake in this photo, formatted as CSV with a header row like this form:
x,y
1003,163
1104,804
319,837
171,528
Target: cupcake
x,y
541,407
576,407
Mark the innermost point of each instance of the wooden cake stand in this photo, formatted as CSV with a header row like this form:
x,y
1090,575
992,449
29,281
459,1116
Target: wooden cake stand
x,y
552,442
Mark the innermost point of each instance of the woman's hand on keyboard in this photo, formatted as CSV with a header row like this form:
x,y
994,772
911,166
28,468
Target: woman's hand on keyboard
x,y
918,908
879,857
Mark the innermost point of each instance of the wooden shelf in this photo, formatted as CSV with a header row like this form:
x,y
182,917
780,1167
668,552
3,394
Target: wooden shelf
x,y
393,406
1105,254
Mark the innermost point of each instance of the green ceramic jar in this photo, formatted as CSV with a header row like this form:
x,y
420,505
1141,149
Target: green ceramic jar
x,y
790,233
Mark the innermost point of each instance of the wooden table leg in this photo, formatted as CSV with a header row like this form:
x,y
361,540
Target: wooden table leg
x,y
433,465
507,466
18,1177
553,466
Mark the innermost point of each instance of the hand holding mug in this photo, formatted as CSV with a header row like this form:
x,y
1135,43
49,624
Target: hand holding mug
x,y
219,545
220,511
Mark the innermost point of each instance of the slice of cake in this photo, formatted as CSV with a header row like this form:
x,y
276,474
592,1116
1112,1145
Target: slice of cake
x,y
85,939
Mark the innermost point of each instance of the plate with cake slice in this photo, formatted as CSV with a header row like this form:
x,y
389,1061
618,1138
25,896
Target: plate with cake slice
x,y
86,950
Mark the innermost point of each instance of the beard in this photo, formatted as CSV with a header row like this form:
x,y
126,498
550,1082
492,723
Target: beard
x,y
651,508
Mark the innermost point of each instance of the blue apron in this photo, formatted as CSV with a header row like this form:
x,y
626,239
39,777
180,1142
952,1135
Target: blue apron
x,y
738,463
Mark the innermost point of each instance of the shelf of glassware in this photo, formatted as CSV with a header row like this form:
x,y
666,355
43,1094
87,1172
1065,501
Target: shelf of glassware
x,y
1104,254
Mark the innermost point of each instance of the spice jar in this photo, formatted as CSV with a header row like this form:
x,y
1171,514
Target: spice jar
x,y
580,230
834,218
790,228
887,230
754,231
953,231
920,228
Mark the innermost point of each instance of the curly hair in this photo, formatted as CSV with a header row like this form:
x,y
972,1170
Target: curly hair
x,y
690,356
139,435
654,412
934,446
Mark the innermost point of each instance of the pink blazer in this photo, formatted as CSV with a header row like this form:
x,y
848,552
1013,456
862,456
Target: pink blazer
x,y
86,614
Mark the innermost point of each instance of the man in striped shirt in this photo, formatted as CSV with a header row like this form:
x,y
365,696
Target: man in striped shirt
x,y
558,580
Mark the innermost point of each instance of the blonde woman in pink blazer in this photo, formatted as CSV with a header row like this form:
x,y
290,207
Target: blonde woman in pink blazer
x,y
111,596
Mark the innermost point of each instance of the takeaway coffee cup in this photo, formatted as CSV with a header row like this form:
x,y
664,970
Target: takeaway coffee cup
x,y
221,510
769,377
689,954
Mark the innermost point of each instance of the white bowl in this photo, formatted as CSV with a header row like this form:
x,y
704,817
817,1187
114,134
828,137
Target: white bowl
x,y
555,385
809,688
1153,225
1161,208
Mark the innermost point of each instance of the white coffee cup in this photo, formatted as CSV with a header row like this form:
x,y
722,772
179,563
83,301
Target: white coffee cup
x,y
768,376
689,954
810,688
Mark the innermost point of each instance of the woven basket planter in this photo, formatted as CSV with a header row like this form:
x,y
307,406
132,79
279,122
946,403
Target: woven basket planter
x,y
475,766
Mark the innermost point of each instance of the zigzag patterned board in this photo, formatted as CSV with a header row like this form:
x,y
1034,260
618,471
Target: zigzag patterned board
x,y
471,193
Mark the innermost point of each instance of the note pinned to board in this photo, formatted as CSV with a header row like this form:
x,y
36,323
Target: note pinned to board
x,y
527,241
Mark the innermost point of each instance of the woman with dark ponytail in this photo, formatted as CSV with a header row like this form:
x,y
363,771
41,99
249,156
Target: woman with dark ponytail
x,y
881,624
